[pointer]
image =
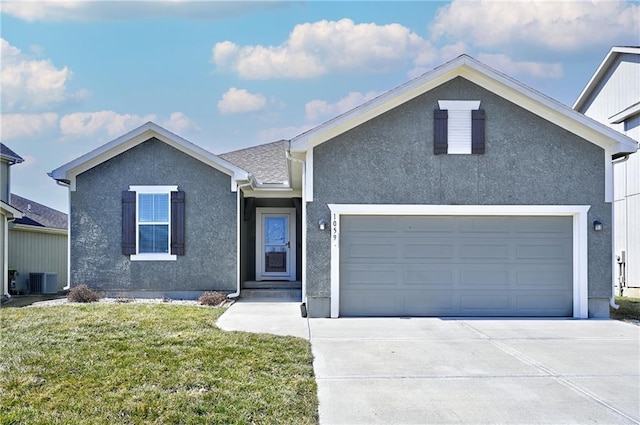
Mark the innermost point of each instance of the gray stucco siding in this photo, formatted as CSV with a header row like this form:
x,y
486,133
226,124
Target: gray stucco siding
x,y
527,161
209,262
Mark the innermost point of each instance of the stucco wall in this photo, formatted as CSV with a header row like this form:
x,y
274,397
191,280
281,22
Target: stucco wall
x,y
528,161
5,184
209,262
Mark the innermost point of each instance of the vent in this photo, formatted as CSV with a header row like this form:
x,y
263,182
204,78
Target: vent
x,y
43,283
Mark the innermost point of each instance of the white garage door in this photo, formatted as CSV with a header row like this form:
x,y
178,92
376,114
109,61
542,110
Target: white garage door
x,y
456,266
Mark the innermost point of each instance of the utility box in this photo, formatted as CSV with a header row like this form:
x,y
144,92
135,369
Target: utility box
x,y
43,283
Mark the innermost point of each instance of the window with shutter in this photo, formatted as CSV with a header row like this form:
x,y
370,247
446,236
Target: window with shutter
x,y
459,127
153,223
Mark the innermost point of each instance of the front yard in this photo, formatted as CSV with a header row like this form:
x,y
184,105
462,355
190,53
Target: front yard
x,y
148,363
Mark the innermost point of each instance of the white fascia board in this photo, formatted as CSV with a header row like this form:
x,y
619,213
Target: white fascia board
x,y
141,134
580,237
250,193
600,72
486,77
38,229
10,211
377,106
625,114
548,108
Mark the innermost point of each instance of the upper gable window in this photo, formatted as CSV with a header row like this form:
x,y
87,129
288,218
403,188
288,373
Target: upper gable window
x,y
459,127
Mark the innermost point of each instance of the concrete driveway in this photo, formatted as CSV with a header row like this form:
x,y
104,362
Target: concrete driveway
x,y
484,371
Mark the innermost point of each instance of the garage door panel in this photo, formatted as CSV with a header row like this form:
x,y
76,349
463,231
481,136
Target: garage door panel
x,y
542,227
478,266
429,277
544,275
474,277
473,303
428,251
379,277
541,304
484,250
437,225
543,251
374,249
482,225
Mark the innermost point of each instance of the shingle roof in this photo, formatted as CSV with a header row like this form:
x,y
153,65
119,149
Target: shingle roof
x,y
267,163
9,155
38,215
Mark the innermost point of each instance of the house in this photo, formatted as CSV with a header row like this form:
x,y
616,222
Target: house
x,y
612,97
459,193
7,212
38,244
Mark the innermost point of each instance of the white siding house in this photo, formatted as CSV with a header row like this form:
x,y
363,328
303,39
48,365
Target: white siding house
x,y
612,97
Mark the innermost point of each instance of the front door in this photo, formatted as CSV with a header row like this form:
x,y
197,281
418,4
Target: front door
x,y
275,244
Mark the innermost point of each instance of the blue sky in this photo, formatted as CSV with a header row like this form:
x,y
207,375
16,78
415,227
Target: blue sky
x,y
227,75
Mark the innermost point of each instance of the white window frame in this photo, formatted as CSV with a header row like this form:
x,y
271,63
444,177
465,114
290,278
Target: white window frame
x,y
149,190
580,236
459,124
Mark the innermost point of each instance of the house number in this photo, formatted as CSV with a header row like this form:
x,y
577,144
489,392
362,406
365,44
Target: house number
x,y
334,226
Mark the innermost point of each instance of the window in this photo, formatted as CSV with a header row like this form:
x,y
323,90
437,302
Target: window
x,y
153,223
458,127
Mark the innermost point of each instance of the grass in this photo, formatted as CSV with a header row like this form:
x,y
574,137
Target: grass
x,y
148,363
629,309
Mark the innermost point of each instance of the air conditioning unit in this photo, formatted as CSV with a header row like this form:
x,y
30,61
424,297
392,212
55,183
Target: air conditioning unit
x,y
43,283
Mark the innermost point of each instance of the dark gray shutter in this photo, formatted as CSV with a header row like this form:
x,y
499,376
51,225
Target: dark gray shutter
x,y
177,223
477,131
128,222
440,138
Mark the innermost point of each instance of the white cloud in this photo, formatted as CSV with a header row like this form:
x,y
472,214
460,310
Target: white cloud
x,y
179,123
84,124
238,101
315,49
317,110
556,25
535,69
32,84
14,126
96,10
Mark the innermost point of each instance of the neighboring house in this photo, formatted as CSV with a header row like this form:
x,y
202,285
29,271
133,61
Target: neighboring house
x,y
612,97
460,193
7,212
38,243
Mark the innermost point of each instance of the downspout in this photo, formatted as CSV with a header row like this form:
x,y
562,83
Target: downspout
x,y
612,300
68,186
304,225
238,250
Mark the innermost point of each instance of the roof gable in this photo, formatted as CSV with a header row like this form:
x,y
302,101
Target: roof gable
x,y
69,171
466,67
8,155
600,73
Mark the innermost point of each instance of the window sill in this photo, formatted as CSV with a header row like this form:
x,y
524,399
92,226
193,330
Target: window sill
x,y
153,257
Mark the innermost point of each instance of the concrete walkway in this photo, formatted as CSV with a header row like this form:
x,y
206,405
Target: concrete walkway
x,y
440,371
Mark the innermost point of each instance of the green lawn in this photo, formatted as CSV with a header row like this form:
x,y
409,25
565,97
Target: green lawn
x,y
148,363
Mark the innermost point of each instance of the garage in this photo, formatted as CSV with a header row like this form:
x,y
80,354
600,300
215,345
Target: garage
x,y
458,265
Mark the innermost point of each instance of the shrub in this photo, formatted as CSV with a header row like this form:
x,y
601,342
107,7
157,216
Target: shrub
x,y
212,298
82,294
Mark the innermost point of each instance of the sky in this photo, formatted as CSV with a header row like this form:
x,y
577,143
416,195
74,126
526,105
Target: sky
x,y
75,75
